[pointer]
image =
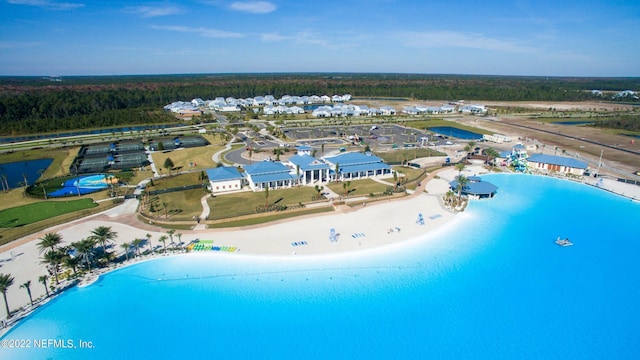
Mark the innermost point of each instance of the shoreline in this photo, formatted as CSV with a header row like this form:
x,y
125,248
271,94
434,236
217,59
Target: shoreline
x,y
358,229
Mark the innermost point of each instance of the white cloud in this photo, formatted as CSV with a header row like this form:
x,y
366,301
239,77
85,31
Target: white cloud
x,y
202,31
448,39
6,45
255,7
303,37
153,11
47,4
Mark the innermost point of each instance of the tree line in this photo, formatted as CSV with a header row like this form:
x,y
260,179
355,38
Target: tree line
x,y
32,105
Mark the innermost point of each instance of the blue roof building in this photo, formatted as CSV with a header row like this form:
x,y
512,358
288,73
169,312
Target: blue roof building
x,y
311,169
560,164
224,179
355,165
271,174
476,187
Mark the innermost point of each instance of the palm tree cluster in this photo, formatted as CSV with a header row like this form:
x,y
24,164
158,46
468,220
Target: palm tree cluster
x,y
84,254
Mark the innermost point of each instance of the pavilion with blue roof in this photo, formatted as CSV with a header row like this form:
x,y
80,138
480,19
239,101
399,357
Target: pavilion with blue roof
x,y
553,163
476,187
311,170
356,165
269,174
224,179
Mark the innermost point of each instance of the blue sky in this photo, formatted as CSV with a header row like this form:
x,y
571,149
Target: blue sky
x,y
521,37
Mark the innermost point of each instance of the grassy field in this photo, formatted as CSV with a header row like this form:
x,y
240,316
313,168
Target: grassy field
x,y
187,159
28,214
245,203
359,187
177,206
399,155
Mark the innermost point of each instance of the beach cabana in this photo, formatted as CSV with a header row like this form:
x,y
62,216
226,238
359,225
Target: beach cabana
x,y
476,187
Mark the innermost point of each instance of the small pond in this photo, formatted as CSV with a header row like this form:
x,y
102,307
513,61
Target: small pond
x,y
15,172
456,133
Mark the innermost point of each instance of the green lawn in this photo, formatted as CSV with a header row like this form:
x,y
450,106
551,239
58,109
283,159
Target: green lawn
x,y
360,187
180,205
399,155
244,203
31,213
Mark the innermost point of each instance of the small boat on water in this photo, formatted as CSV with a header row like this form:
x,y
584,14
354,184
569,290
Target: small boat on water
x,y
563,242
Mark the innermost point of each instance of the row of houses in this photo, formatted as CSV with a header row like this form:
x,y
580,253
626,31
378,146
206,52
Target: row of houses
x,y
351,110
234,104
300,169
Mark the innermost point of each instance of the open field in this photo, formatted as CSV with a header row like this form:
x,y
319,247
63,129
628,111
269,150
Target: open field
x,y
245,203
177,206
28,214
359,187
187,159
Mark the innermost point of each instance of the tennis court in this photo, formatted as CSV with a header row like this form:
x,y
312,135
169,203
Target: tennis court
x,y
97,149
92,165
130,146
193,141
130,160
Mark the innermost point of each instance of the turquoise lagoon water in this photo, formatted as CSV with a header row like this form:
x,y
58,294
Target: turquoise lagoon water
x,y
491,284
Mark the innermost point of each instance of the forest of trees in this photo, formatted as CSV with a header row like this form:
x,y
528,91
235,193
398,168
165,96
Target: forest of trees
x,y
36,105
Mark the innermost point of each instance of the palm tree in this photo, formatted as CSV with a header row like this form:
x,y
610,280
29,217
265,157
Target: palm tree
x,y
460,166
71,262
53,258
5,281
266,196
395,179
136,244
149,242
43,279
166,207
27,286
163,240
103,235
346,186
179,235
337,171
462,182
126,247
170,233
85,248
49,241
491,154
